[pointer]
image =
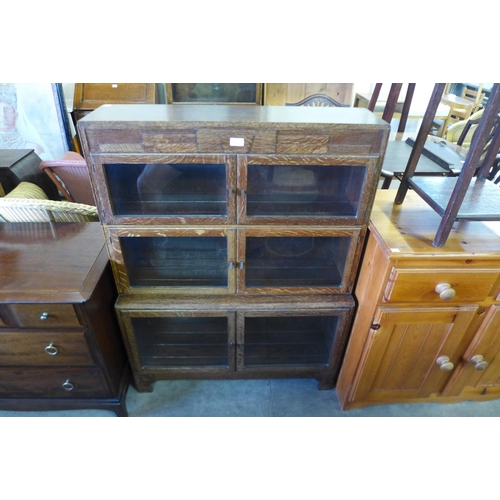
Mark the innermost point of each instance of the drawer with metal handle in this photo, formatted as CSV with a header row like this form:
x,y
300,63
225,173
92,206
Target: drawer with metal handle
x,y
42,347
45,315
52,382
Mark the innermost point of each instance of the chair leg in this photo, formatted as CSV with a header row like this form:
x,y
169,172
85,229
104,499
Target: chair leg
x,y
406,107
387,176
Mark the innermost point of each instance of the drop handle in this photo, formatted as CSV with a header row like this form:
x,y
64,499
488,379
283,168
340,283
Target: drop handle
x,y
51,349
445,365
445,291
479,362
68,386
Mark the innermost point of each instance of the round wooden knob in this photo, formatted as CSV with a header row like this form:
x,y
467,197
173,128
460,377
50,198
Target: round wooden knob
x,y
479,362
446,292
445,364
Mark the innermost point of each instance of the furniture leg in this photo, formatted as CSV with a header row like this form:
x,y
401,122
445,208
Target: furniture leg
x,y
423,132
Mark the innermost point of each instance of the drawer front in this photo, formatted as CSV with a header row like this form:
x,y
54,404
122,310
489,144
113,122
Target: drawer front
x,y
19,347
45,315
419,285
67,383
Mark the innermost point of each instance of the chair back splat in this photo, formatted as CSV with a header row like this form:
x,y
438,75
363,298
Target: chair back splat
x,y
70,175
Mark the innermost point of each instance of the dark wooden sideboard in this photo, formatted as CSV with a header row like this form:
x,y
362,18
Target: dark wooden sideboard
x,y
60,344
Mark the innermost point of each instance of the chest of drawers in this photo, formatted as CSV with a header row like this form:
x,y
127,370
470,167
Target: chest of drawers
x,y
60,344
234,233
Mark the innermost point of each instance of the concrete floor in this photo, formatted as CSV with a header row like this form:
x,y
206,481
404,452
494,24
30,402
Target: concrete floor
x,y
261,398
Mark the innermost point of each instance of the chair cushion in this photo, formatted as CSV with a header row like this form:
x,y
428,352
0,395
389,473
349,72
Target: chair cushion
x,y
29,191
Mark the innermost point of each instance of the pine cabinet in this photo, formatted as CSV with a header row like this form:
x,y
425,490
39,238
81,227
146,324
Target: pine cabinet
x,y
427,325
234,233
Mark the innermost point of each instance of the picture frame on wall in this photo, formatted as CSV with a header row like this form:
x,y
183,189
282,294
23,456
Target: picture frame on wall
x,y
34,116
214,93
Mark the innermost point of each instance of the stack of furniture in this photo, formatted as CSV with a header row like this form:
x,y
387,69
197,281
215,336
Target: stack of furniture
x,y
60,344
235,233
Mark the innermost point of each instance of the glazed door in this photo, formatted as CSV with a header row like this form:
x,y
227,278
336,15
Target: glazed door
x,y
164,189
303,190
410,353
161,340
181,261
283,260
478,374
295,340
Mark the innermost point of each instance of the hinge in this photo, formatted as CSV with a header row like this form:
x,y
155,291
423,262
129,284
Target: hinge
x,y
93,166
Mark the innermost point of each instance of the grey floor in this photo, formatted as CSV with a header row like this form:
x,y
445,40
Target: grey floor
x,y
261,398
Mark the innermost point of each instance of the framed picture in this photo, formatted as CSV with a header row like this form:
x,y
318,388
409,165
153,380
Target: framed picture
x,y
34,116
214,93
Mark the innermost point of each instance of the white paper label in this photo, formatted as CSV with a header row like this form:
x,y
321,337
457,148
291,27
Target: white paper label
x,y
114,85
237,141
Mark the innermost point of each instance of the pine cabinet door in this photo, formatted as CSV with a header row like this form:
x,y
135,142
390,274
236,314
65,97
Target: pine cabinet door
x,y
479,372
405,353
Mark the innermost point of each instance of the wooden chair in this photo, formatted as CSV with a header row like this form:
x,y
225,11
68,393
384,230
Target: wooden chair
x,y
476,96
388,114
27,202
70,175
461,132
460,107
391,105
318,100
463,197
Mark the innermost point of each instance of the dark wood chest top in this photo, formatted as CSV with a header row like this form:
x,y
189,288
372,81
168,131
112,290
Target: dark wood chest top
x,y
50,262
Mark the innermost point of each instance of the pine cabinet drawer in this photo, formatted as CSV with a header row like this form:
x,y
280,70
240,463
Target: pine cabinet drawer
x,y
45,315
419,285
42,347
52,383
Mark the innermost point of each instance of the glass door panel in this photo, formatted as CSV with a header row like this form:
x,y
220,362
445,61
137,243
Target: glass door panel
x,y
304,191
167,189
290,340
294,262
185,261
182,341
